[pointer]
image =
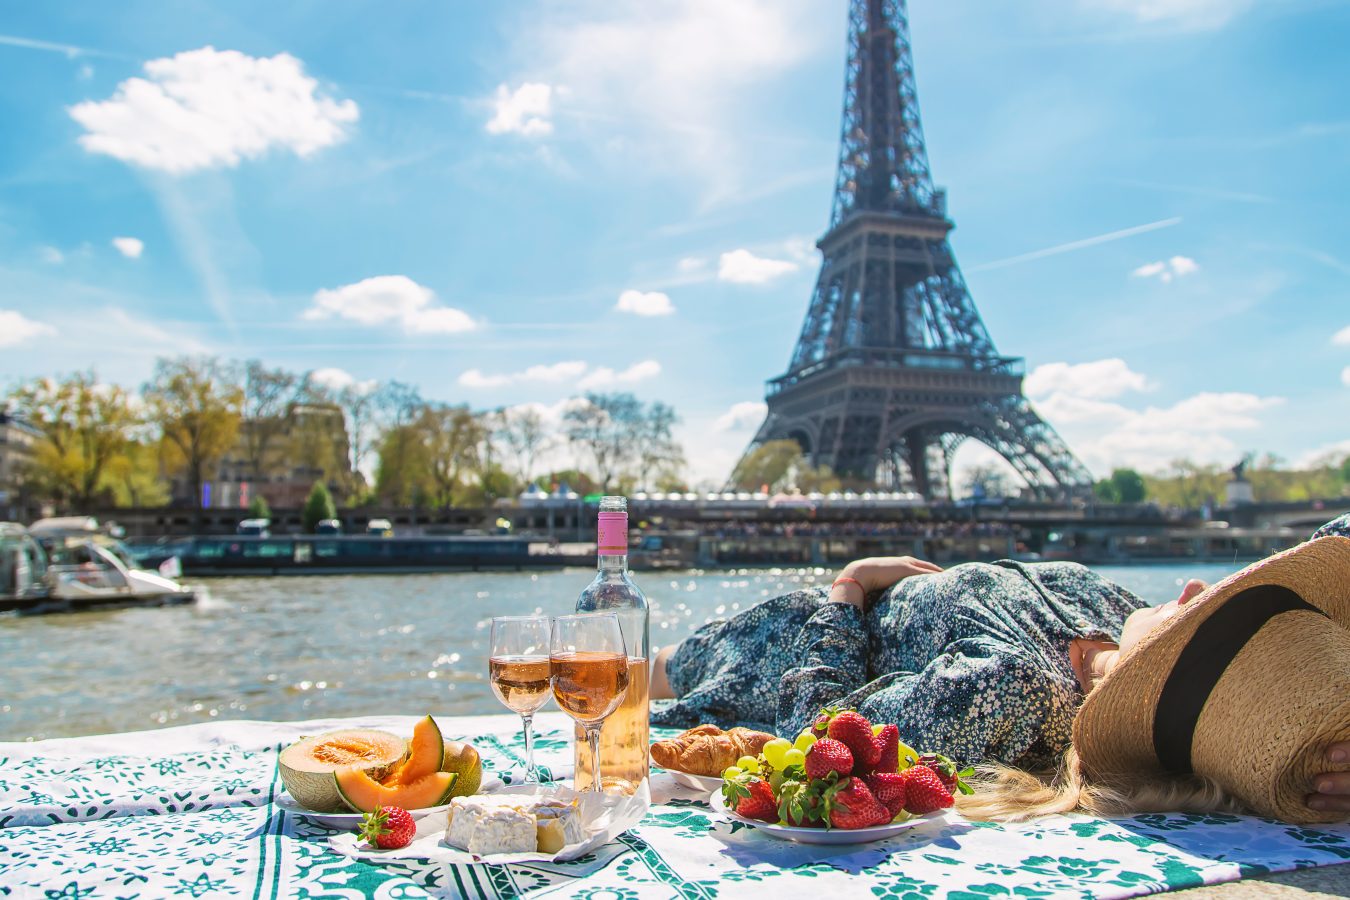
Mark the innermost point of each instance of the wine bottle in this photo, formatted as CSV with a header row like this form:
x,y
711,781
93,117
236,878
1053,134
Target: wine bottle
x,y
625,736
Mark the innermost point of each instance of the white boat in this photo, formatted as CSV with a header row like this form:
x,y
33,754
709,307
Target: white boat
x,y
66,568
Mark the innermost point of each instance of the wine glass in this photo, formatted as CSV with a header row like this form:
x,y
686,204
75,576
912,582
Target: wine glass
x,y
589,665
519,671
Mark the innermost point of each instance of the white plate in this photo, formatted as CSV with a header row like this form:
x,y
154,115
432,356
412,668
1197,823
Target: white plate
x,y
344,821
697,782
817,835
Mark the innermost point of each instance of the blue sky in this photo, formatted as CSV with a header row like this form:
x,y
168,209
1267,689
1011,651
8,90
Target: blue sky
x,y
510,203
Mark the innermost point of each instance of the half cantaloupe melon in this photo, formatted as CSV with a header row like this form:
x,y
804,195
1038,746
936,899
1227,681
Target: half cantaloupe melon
x,y
361,793
307,766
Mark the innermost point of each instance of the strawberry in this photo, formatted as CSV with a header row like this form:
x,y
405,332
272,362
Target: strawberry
x,y
924,791
751,797
820,726
952,780
889,789
388,828
799,804
826,757
852,730
888,740
851,805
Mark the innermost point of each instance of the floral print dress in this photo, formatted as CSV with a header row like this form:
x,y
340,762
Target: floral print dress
x,y
972,661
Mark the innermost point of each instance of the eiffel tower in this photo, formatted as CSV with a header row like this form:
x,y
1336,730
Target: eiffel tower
x,y
894,368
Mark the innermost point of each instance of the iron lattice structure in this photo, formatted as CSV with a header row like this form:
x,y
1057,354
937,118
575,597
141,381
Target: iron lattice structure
x,y
894,367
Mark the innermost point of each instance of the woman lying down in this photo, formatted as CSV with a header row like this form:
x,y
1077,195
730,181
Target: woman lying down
x,y
1231,697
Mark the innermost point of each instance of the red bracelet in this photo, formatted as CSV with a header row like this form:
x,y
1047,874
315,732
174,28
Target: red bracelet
x,y
844,579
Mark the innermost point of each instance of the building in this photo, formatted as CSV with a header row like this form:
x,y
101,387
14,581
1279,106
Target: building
x,y
18,446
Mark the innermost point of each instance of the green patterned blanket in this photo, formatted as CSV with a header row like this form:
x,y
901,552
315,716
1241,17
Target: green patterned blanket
x,y
190,812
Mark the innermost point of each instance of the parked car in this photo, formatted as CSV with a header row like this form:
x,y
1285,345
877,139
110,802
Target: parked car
x,y
328,526
380,528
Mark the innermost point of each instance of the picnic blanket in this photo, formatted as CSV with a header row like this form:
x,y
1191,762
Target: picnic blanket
x,y
191,812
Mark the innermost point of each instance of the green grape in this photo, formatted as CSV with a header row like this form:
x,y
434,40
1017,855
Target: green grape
x,y
804,741
773,752
748,764
794,757
731,772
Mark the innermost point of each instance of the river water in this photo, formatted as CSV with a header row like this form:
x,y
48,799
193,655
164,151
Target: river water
x,y
309,647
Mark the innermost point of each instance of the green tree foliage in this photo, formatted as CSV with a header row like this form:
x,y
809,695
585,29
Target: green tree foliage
x,y
86,428
318,506
987,481
1124,486
132,477
258,508
605,428
268,395
781,466
453,438
525,436
196,404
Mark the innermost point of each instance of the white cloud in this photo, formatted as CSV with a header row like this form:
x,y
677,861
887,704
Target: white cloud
x,y
743,267
1327,454
1342,337
526,110
540,374
390,299
340,379
55,257
129,247
1197,14
208,108
1165,271
16,329
742,416
667,81
1094,380
1345,376
654,303
1105,433
696,264
605,377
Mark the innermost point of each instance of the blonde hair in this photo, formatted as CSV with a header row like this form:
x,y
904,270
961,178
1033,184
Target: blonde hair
x,y
1005,794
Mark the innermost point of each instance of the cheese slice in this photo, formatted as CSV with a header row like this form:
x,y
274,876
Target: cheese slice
x,y
557,827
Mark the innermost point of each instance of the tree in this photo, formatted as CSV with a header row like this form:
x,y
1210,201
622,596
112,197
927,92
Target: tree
x,y
258,508
1345,470
522,429
452,436
1124,486
197,407
132,477
85,426
656,449
987,481
767,465
605,427
360,407
268,395
318,506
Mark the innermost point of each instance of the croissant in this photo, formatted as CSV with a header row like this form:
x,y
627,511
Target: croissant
x,y
708,750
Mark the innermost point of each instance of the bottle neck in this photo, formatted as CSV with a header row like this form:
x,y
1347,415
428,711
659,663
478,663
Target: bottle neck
x,y
612,562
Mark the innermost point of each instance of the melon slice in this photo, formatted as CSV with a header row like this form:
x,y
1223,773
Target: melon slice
x,y
427,753
362,793
307,766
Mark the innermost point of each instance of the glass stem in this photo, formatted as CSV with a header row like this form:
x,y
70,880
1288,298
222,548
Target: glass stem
x,y
593,737
531,773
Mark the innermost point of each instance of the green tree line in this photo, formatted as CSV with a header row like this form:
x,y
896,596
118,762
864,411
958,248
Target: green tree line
x,y
199,417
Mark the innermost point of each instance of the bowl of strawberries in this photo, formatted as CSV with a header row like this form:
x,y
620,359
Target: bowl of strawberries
x,y
841,781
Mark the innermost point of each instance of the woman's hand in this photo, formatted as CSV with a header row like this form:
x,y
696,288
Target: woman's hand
x,y
876,573
1333,788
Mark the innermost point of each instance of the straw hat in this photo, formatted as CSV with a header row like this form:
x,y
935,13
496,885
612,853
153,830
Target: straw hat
x,y
1246,684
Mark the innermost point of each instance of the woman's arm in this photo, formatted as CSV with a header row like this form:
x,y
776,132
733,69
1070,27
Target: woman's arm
x,y
864,577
